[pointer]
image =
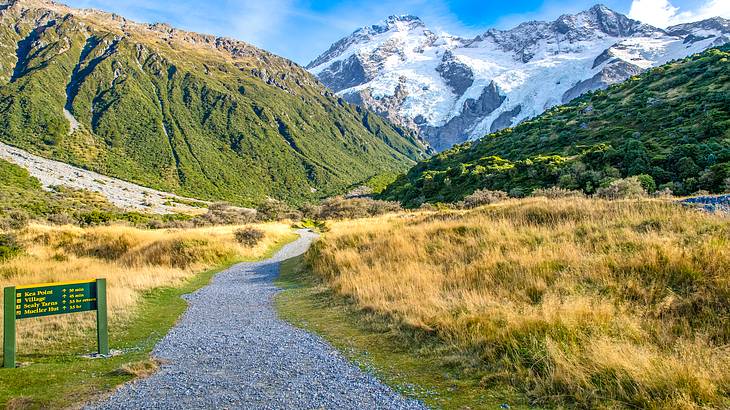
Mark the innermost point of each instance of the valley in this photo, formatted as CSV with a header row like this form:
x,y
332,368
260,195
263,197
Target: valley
x,y
530,218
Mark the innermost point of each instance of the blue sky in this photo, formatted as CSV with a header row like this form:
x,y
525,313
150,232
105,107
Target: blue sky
x,y
302,29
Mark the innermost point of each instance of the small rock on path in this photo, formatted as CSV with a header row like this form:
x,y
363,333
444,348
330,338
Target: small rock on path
x,y
230,350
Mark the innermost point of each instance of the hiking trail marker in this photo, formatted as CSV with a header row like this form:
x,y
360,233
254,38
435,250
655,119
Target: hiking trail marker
x,y
23,302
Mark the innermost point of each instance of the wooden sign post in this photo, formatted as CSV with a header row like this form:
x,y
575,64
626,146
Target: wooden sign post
x,y
48,299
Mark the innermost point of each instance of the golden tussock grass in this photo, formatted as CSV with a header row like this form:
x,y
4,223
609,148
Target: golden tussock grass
x,y
143,368
132,260
573,301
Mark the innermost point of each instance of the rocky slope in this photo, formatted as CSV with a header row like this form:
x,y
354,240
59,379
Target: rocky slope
x,y
122,194
198,115
453,88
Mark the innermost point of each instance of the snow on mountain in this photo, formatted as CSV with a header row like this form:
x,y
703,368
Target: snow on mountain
x,y
454,88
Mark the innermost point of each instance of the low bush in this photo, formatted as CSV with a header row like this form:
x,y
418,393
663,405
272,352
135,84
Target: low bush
x,y
556,193
483,197
15,220
275,210
181,253
9,246
95,218
626,188
352,208
249,236
221,213
312,224
106,245
663,193
60,219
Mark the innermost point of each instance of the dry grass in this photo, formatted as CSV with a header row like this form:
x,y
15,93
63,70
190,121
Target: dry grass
x,y
132,260
574,301
20,403
141,369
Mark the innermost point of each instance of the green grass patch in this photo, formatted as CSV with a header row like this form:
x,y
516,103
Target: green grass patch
x,y
60,378
422,373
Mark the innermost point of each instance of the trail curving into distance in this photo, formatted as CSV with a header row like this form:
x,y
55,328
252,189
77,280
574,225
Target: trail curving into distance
x,y
230,350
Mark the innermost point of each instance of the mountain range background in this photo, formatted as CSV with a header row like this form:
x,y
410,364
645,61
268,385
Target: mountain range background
x,y
219,119
452,89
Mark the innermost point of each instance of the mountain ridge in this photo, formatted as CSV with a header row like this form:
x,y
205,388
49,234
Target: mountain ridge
x,y
407,73
182,112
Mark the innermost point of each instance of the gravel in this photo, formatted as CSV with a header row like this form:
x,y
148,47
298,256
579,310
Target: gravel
x,y
230,350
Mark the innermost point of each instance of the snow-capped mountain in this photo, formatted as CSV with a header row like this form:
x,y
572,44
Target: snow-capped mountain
x,y
453,88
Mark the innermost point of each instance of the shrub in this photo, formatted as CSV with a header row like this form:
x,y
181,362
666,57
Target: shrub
x,y
664,193
180,253
221,213
94,218
9,246
626,188
483,197
312,224
108,246
647,182
517,193
274,210
556,193
15,220
60,219
427,207
249,236
342,208
178,224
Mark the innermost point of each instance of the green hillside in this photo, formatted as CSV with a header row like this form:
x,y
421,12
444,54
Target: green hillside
x,y
197,115
671,123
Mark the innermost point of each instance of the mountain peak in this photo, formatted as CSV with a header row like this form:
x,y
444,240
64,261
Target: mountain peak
x,y
713,23
601,9
406,18
404,22
394,23
601,18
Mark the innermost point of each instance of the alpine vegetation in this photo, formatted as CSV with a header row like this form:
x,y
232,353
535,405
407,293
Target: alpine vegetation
x,y
668,127
205,117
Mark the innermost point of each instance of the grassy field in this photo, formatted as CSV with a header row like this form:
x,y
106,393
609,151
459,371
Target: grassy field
x,y
573,302
147,272
413,369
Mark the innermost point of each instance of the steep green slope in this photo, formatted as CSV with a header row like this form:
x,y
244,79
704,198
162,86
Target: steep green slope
x,y
198,115
672,123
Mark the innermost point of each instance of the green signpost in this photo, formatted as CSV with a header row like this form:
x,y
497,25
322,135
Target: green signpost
x,y
47,299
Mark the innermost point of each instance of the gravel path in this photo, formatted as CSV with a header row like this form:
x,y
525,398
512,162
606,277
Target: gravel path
x,y
231,351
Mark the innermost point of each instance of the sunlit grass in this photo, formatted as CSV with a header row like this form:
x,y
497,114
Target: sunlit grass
x,y
132,260
573,301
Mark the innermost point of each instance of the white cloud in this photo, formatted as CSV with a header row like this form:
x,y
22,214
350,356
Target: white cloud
x,y
662,13
255,21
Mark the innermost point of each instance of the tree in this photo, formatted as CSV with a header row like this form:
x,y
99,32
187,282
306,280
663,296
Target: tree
x,y
647,182
687,168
